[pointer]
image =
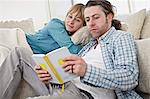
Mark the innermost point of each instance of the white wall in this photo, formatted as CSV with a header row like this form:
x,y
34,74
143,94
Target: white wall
x,y
58,8
38,10
22,9
123,5
42,10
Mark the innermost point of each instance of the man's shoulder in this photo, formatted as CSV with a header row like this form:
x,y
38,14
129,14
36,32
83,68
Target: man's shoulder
x,y
114,35
121,34
117,36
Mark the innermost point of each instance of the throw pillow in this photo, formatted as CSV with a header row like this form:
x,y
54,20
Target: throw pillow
x,y
144,65
82,36
146,27
25,25
11,38
134,22
3,54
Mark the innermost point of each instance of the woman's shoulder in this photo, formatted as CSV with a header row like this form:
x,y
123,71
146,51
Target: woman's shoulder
x,y
56,22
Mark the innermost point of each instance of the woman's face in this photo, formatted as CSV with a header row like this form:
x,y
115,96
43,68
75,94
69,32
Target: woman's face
x,y
73,23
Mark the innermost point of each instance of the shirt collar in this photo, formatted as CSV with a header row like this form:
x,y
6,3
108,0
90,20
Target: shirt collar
x,y
108,34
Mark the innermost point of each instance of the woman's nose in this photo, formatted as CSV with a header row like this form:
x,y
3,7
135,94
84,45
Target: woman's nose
x,y
72,20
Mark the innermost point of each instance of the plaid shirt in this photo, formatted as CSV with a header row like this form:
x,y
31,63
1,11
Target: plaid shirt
x,y
120,58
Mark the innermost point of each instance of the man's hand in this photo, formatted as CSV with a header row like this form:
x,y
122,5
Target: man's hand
x,y
43,75
75,64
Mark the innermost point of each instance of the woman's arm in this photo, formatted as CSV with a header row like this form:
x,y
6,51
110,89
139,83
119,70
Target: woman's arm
x,y
56,29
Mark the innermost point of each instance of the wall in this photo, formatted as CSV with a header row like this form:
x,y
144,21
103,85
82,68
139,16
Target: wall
x,y
38,10
58,8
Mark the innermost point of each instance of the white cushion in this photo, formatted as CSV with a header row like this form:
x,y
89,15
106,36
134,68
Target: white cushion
x,y
145,33
26,25
134,22
82,36
11,38
3,53
144,65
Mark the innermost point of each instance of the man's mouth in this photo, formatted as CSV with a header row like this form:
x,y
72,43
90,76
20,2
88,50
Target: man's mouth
x,y
92,29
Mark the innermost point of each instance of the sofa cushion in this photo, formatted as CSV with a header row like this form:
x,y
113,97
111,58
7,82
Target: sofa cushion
x,y
3,53
134,22
26,25
145,33
82,36
144,65
11,38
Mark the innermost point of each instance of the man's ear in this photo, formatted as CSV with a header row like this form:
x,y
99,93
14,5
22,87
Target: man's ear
x,y
109,17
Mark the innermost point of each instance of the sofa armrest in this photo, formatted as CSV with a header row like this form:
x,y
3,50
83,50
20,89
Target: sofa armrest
x,y
11,38
144,65
3,53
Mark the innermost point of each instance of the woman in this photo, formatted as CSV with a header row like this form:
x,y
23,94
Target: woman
x,y
57,33
20,65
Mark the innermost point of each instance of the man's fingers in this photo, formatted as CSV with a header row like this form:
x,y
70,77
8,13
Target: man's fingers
x,y
67,63
41,71
37,67
71,58
45,78
68,68
43,75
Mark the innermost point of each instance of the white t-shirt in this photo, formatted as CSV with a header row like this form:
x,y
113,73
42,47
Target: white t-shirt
x,y
94,57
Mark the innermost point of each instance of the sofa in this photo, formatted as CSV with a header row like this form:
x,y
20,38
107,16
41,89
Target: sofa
x,y
137,23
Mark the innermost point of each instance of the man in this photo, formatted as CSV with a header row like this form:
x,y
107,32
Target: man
x,y
109,60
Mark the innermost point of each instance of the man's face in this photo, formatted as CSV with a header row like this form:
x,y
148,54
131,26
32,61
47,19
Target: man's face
x,y
97,22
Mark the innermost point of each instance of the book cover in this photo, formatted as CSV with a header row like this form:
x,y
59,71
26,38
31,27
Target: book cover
x,y
52,62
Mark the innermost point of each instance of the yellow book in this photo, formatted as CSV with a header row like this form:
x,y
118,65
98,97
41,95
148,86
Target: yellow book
x,y
52,62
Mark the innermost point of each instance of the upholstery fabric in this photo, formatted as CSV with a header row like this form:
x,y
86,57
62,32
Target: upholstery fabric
x,y
145,33
82,36
10,38
144,65
4,53
134,22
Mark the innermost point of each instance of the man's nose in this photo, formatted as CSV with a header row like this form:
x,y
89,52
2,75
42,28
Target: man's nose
x,y
91,22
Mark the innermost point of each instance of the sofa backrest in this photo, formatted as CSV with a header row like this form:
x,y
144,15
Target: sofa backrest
x,y
26,25
137,23
145,33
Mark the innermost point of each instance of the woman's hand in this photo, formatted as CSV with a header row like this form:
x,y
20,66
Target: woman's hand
x,y
75,64
43,75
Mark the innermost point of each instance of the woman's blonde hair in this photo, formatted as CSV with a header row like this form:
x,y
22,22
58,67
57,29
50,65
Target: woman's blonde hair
x,y
79,10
